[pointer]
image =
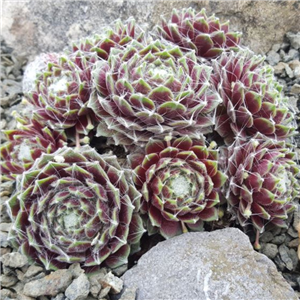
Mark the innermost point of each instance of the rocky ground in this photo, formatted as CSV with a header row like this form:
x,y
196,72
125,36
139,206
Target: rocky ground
x,y
19,280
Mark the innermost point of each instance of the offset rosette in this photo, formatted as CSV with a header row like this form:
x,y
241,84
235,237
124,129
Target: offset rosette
x,y
26,144
252,99
180,182
192,30
76,206
117,35
262,182
150,90
62,92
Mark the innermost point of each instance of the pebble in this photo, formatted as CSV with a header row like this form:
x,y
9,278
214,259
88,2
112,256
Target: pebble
x,y
23,297
273,57
279,69
33,270
8,280
4,239
293,243
75,270
79,288
270,250
50,285
115,283
6,294
295,89
14,260
294,39
60,296
292,232
279,239
95,286
104,292
129,294
6,227
285,257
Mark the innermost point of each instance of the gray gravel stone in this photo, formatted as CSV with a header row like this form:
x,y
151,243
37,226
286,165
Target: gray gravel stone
x,y
95,286
208,265
284,255
129,294
33,270
23,297
50,285
8,280
4,239
6,227
294,258
279,239
294,39
292,232
270,250
60,296
266,237
76,270
78,289
295,89
14,260
273,58
104,292
6,294
115,283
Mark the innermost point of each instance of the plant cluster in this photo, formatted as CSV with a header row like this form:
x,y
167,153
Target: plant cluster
x,y
202,120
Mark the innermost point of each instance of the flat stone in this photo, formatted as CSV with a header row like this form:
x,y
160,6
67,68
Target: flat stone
x,y
50,285
14,260
208,265
4,239
78,289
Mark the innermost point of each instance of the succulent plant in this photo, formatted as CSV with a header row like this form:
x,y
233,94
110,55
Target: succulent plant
x,y
252,98
75,205
117,35
194,30
262,181
26,144
62,92
180,182
152,89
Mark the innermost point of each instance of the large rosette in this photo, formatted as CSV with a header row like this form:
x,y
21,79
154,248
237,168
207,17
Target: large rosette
x,y
76,206
206,35
152,89
252,98
262,181
180,182
62,92
26,144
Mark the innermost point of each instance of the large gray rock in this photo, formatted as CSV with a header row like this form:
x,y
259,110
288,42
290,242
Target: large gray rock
x,y
217,265
37,26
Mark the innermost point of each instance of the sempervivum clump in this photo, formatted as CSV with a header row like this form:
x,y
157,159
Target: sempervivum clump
x,y
252,99
262,181
117,35
62,92
26,144
151,89
179,181
75,206
192,30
